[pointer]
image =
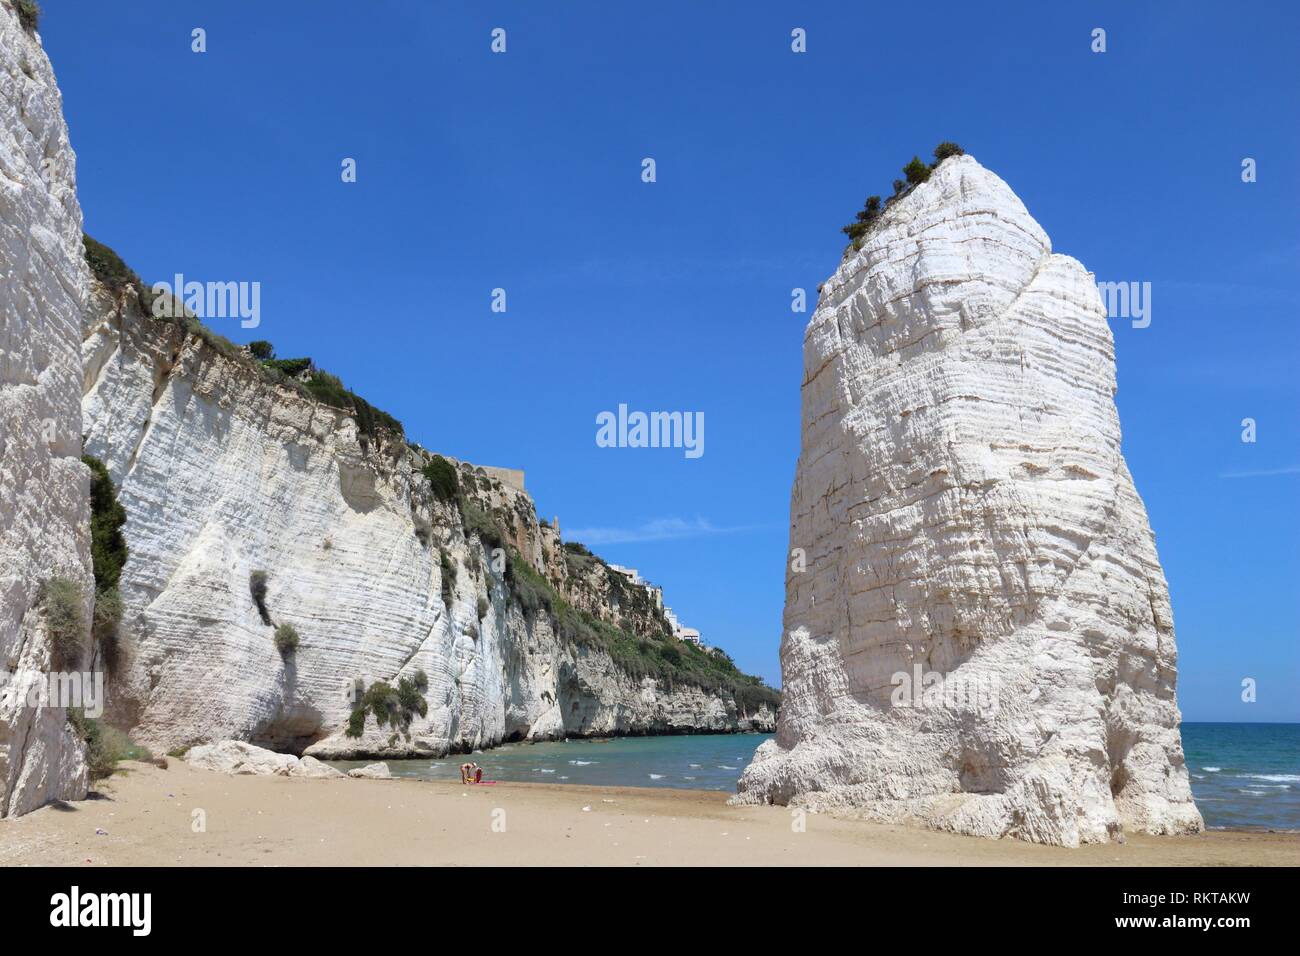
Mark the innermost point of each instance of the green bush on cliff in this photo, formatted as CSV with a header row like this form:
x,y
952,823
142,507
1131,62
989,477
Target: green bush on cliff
x,y
262,350
391,706
29,14
916,171
292,367
328,389
108,549
63,621
946,149
105,745
286,638
442,478
660,656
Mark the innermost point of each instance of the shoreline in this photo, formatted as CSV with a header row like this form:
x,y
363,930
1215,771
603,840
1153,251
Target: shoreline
x,y
458,751
182,816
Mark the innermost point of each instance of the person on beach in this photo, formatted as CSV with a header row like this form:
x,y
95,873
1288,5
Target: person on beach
x,y
471,772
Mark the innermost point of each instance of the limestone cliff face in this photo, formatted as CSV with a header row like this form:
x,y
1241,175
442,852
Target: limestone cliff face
x,y
44,487
223,473
969,522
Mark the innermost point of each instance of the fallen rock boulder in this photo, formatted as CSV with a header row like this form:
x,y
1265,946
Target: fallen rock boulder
x,y
373,771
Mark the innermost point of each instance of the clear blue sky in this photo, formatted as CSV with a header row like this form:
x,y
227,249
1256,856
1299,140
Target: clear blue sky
x,y
522,171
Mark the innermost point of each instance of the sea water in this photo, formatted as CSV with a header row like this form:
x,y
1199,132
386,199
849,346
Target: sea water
x,y
1243,775
685,762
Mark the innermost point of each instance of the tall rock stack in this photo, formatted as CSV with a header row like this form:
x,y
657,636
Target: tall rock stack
x,y
978,637
44,487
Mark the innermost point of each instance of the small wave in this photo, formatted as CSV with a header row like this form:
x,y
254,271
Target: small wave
x,y
583,763
656,776
1211,769
1254,793
543,770
688,778
697,766
1272,777
723,766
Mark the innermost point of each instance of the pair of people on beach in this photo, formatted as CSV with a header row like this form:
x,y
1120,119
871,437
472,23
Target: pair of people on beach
x,y
471,773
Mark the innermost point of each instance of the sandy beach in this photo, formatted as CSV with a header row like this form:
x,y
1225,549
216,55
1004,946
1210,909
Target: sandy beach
x,y
149,815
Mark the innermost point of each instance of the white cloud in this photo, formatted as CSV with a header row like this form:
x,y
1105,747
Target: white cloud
x,y
660,529
1263,473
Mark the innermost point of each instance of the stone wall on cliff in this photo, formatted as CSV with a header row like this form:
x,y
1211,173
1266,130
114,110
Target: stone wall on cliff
x,y
44,487
969,522
224,472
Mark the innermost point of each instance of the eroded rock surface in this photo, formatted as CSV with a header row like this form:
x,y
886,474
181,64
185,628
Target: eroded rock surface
x,y
969,521
44,487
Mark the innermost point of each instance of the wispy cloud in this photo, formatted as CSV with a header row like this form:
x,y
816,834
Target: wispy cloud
x,y
1263,472
660,529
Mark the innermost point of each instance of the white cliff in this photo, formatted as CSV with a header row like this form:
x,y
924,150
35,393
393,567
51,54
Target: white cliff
x,y
224,471
968,519
44,487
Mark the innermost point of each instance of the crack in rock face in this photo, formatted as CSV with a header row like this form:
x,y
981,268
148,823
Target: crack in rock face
x,y
980,639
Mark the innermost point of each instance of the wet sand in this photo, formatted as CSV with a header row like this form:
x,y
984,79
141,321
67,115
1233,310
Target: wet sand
x,y
151,816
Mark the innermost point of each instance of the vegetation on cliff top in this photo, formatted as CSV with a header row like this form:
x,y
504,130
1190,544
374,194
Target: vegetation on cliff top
x,y
108,552
325,388
29,14
662,657
916,172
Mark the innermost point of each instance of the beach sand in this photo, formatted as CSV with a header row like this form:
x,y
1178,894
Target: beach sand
x,y
149,815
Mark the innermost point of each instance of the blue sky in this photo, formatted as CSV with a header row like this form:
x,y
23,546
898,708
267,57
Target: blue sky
x,y
522,171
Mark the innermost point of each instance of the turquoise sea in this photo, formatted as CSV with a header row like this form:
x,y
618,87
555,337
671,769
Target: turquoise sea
x,y
1243,775
687,762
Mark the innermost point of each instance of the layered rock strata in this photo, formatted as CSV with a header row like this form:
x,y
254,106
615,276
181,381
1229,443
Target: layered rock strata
x,y
978,637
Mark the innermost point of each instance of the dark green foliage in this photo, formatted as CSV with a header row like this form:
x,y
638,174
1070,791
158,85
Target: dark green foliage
x,y
105,745
29,14
577,547
329,389
107,545
356,722
482,608
262,350
865,219
291,367
916,171
257,588
448,577
946,149
286,638
391,706
64,622
442,478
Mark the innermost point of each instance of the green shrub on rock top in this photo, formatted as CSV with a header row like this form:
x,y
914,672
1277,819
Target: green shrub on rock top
x,y
29,14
